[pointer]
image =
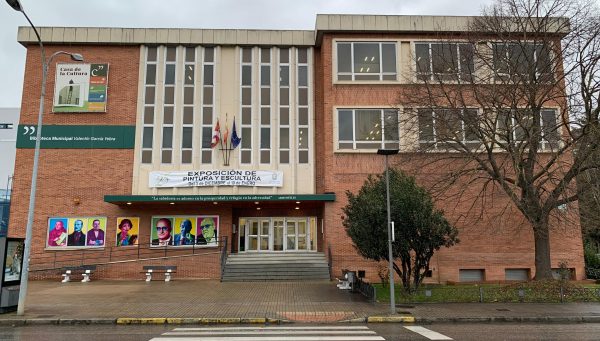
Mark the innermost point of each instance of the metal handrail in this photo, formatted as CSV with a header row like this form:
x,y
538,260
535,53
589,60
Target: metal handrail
x,y
57,259
223,258
329,261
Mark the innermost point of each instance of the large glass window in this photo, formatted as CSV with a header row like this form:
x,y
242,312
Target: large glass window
x,y
444,61
368,128
522,61
444,128
515,126
366,61
246,105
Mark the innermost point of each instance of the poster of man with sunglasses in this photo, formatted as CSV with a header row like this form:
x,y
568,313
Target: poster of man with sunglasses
x,y
162,231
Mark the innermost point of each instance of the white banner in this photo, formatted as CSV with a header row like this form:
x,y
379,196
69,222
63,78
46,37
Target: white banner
x,y
232,177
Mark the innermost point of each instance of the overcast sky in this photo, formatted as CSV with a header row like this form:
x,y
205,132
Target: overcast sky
x,y
252,14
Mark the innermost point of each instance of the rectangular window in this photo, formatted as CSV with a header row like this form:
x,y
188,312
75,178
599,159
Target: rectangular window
x,y
149,104
447,128
444,61
366,61
303,80
284,106
246,105
515,126
367,128
187,130
471,275
208,93
527,62
265,105
169,104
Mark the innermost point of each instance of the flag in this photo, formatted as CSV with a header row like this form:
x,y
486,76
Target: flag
x,y
226,134
215,139
235,140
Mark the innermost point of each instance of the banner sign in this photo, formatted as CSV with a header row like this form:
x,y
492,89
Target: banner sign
x,y
77,232
77,137
184,231
232,177
80,88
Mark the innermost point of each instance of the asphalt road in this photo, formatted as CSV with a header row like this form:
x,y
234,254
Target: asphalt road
x,y
339,332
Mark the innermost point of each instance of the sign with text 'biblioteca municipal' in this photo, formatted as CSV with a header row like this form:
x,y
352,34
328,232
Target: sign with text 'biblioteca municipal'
x,y
229,177
77,137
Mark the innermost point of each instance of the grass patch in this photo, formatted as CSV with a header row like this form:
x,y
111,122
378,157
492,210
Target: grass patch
x,y
547,291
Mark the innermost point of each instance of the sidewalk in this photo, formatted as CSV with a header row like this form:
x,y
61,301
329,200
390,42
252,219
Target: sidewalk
x,y
104,301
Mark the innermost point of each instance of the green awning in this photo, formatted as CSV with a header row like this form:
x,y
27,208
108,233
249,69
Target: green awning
x,y
124,199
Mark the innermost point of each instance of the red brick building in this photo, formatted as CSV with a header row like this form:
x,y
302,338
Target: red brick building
x,y
149,153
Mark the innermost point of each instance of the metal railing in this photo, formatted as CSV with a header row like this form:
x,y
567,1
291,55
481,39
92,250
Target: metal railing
x,y
57,259
329,261
223,257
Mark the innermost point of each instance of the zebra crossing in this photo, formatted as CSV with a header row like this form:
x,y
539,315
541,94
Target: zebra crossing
x,y
267,333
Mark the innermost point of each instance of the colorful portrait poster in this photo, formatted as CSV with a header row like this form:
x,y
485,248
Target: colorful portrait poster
x,y
80,87
184,231
57,232
208,230
76,231
96,231
162,231
127,231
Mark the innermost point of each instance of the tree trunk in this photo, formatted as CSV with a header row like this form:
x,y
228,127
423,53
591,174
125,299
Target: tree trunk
x,y
543,267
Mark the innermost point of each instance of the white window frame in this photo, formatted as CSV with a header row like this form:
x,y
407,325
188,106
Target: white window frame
x,y
203,63
435,143
432,76
353,72
544,144
382,141
246,127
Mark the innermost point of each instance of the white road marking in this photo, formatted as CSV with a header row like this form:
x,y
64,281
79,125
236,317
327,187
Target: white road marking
x,y
430,334
279,333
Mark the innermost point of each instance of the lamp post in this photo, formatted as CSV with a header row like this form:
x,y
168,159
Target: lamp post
x,y
386,153
16,5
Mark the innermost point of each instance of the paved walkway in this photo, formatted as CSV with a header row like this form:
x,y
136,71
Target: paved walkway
x,y
297,301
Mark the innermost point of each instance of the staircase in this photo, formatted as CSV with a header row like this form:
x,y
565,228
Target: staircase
x,y
292,266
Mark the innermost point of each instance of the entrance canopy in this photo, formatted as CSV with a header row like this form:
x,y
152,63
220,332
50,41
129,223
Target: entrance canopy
x,y
279,198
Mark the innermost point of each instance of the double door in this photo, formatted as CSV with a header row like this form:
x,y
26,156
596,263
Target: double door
x,y
275,234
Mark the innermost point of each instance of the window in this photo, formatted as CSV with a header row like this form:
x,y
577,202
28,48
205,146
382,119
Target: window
x,y
302,100
367,128
246,105
208,93
284,105
444,61
187,130
169,104
149,104
516,274
515,126
442,128
265,105
366,61
471,275
522,61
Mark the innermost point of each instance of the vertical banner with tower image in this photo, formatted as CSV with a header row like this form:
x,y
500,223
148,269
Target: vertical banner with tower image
x,y
80,88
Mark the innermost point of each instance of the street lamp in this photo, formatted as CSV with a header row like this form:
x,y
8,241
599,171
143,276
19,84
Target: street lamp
x,y
388,152
16,5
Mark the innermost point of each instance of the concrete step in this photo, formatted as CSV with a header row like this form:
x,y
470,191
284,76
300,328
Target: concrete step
x,y
274,266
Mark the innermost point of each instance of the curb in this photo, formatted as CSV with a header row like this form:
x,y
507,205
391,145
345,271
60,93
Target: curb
x,y
219,320
262,320
507,319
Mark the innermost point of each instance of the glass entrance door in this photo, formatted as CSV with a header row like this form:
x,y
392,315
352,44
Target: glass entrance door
x,y
258,234
278,234
297,235
275,234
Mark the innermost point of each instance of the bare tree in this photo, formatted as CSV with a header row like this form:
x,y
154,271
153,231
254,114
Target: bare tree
x,y
497,104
